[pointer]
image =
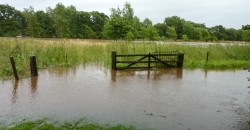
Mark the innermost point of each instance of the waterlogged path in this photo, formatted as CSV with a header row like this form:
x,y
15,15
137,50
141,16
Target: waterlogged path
x,y
156,99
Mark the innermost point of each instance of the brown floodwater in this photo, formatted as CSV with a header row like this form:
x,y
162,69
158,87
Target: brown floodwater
x,y
155,99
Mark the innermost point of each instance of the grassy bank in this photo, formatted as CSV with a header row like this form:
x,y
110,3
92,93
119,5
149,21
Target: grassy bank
x,y
50,125
67,52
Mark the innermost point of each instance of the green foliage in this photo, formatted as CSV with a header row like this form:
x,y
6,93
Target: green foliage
x,y
77,125
188,29
147,22
130,36
185,37
66,22
246,27
219,32
46,24
62,21
98,21
246,35
149,33
121,23
32,24
177,23
74,52
162,29
11,21
171,33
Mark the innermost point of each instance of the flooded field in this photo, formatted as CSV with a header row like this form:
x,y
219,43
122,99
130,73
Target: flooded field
x,y
155,99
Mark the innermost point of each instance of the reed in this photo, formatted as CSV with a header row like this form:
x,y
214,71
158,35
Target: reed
x,y
46,124
68,52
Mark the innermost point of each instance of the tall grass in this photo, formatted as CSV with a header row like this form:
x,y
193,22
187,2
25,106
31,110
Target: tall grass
x,y
61,52
46,124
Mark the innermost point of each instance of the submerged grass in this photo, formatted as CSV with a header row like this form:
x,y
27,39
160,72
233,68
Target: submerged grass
x,y
67,52
73,125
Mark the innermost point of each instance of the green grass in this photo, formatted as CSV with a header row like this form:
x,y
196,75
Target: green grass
x,y
67,52
76,125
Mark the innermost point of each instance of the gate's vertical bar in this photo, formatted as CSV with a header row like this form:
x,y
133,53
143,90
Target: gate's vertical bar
x,y
14,68
180,60
149,57
33,66
113,56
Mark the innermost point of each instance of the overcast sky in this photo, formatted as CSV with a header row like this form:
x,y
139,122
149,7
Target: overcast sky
x,y
229,13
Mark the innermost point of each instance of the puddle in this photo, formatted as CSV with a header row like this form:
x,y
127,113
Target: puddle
x,y
156,99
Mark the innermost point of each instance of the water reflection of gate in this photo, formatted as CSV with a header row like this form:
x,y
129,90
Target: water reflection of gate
x,y
150,74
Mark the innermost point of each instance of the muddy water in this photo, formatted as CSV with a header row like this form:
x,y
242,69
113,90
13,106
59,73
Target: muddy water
x,y
156,99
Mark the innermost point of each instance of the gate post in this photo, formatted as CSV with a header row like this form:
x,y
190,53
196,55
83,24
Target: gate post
x,y
113,56
13,65
33,66
207,56
149,56
180,60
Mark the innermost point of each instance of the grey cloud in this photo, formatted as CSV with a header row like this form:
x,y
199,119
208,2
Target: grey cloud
x,y
229,13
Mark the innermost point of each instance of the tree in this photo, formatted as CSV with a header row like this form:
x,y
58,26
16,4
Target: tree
x,y
246,27
98,21
121,22
161,28
185,37
219,32
171,33
46,24
12,22
116,28
130,36
32,25
189,30
62,21
147,22
177,23
246,35
231,34
150,33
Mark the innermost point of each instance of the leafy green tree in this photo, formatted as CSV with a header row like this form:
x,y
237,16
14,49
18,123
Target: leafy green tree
x,y
147,22
116,28
12,23
130,36
171,33
150,33
98,21
232,34
205,33
189,30
177,23
246,27
46,24
33,27
161,28
246,35
198,34
120,23
219,32
62,21
185,37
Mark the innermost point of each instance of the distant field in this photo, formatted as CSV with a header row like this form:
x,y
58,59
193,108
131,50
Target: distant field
x,y
71,52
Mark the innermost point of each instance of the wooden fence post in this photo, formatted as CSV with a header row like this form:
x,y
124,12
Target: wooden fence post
x,y
14,68
33,66
207,55
113,56
180,60
149,60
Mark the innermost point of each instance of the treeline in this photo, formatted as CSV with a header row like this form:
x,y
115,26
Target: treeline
x,y
67,22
